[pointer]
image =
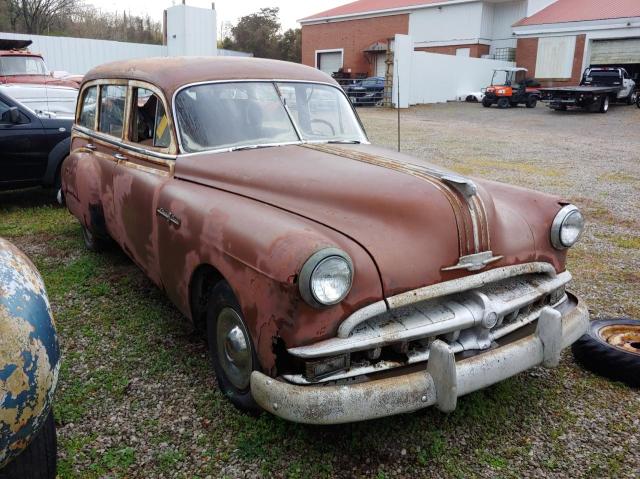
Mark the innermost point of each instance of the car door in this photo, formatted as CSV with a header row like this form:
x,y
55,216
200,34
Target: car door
x,y
144,166
90,167
23,147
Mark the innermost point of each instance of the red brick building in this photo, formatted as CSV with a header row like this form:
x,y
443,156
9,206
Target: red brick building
x,y
354,36
559,42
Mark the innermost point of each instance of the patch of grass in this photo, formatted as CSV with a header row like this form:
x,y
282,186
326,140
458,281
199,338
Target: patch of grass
x,y
627,243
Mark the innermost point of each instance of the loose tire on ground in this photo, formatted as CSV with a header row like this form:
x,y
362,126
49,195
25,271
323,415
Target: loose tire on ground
x,y
232,365
611,348
503,103
38,460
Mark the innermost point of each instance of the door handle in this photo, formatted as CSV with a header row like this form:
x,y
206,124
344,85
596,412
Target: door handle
x,y
167,215
118,156
91,146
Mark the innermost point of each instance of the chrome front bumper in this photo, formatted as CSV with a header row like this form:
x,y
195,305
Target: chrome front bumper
x,y
440,384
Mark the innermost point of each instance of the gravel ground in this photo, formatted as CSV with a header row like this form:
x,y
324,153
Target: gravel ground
x,y
136,398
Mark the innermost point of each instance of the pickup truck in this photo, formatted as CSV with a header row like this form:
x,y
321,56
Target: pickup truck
x,y
19,65
599,87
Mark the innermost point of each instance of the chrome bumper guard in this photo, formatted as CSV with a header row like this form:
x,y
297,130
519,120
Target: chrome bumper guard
x,y
440,384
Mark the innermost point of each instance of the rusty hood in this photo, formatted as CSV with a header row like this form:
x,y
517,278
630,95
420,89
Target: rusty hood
x,y
416,220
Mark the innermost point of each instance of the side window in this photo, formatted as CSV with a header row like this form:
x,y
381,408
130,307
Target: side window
x,y
112,99
3,109
149,125
88,108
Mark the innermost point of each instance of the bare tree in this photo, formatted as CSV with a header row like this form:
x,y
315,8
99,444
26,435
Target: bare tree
x,y
39,15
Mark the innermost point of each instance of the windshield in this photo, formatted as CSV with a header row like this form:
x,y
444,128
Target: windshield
x,y
501,78
370,82
16,65
221,116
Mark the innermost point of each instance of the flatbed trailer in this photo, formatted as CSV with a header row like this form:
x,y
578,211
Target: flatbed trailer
x,y
593,98
598,88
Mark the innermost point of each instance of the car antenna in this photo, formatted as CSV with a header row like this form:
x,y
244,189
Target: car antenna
x,y
398,104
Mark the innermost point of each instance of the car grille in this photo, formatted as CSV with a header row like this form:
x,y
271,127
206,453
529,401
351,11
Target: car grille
x,y
468,321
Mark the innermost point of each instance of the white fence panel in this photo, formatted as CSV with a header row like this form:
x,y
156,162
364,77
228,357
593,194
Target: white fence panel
x,y
79,55
434,78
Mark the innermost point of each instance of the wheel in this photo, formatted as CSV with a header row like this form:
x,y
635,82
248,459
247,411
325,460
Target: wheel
x,y
57,188
503,103
611,348
638,101
92,242
231,350
487,103
531,102
38,460
604,104
632,98
325,123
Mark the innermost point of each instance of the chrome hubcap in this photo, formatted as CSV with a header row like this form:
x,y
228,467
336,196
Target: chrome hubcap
x,y
234,348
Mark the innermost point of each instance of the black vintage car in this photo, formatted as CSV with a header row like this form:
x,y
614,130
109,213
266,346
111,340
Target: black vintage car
x,y
369,91
32,147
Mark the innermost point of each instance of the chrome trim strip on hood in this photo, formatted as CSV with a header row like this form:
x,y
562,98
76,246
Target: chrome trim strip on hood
x,y
461,193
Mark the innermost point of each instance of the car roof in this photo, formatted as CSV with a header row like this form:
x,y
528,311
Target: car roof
x,y
19,53
172,73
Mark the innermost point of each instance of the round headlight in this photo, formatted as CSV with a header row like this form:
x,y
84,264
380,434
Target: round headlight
x,y
326,277
567,227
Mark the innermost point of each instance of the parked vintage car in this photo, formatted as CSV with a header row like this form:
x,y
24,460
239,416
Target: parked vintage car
x,y
19,65
48,101
369,91
32,146
336,281
29,365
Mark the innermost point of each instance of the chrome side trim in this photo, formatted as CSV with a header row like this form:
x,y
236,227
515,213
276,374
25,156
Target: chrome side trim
x,y
112,141
440,289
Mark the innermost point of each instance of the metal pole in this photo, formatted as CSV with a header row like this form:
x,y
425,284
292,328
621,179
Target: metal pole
x,y
398,104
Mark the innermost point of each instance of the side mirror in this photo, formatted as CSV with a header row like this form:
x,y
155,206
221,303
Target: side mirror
x,y
12,115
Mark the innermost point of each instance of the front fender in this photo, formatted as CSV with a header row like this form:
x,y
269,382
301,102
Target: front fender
x,y
59,153
29,352
259,250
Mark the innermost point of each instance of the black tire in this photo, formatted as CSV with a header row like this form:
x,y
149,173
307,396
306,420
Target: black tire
x,y
632,98
604,105
222,298
92,241
532,102
613,362
487,103
38,460
503,103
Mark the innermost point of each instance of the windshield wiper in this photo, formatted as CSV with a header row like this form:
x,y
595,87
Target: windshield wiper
x,y
344,142
250,147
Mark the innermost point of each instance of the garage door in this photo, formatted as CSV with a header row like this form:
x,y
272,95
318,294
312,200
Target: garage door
x,y
620,52
330,62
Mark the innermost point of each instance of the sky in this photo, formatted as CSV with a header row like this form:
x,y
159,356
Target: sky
x,y
228,10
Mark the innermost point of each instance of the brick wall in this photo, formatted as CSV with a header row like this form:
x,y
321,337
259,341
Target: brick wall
x,y
477,49
354,36
527,54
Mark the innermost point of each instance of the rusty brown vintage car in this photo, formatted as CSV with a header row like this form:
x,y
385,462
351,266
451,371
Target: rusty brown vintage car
x,y
336,281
